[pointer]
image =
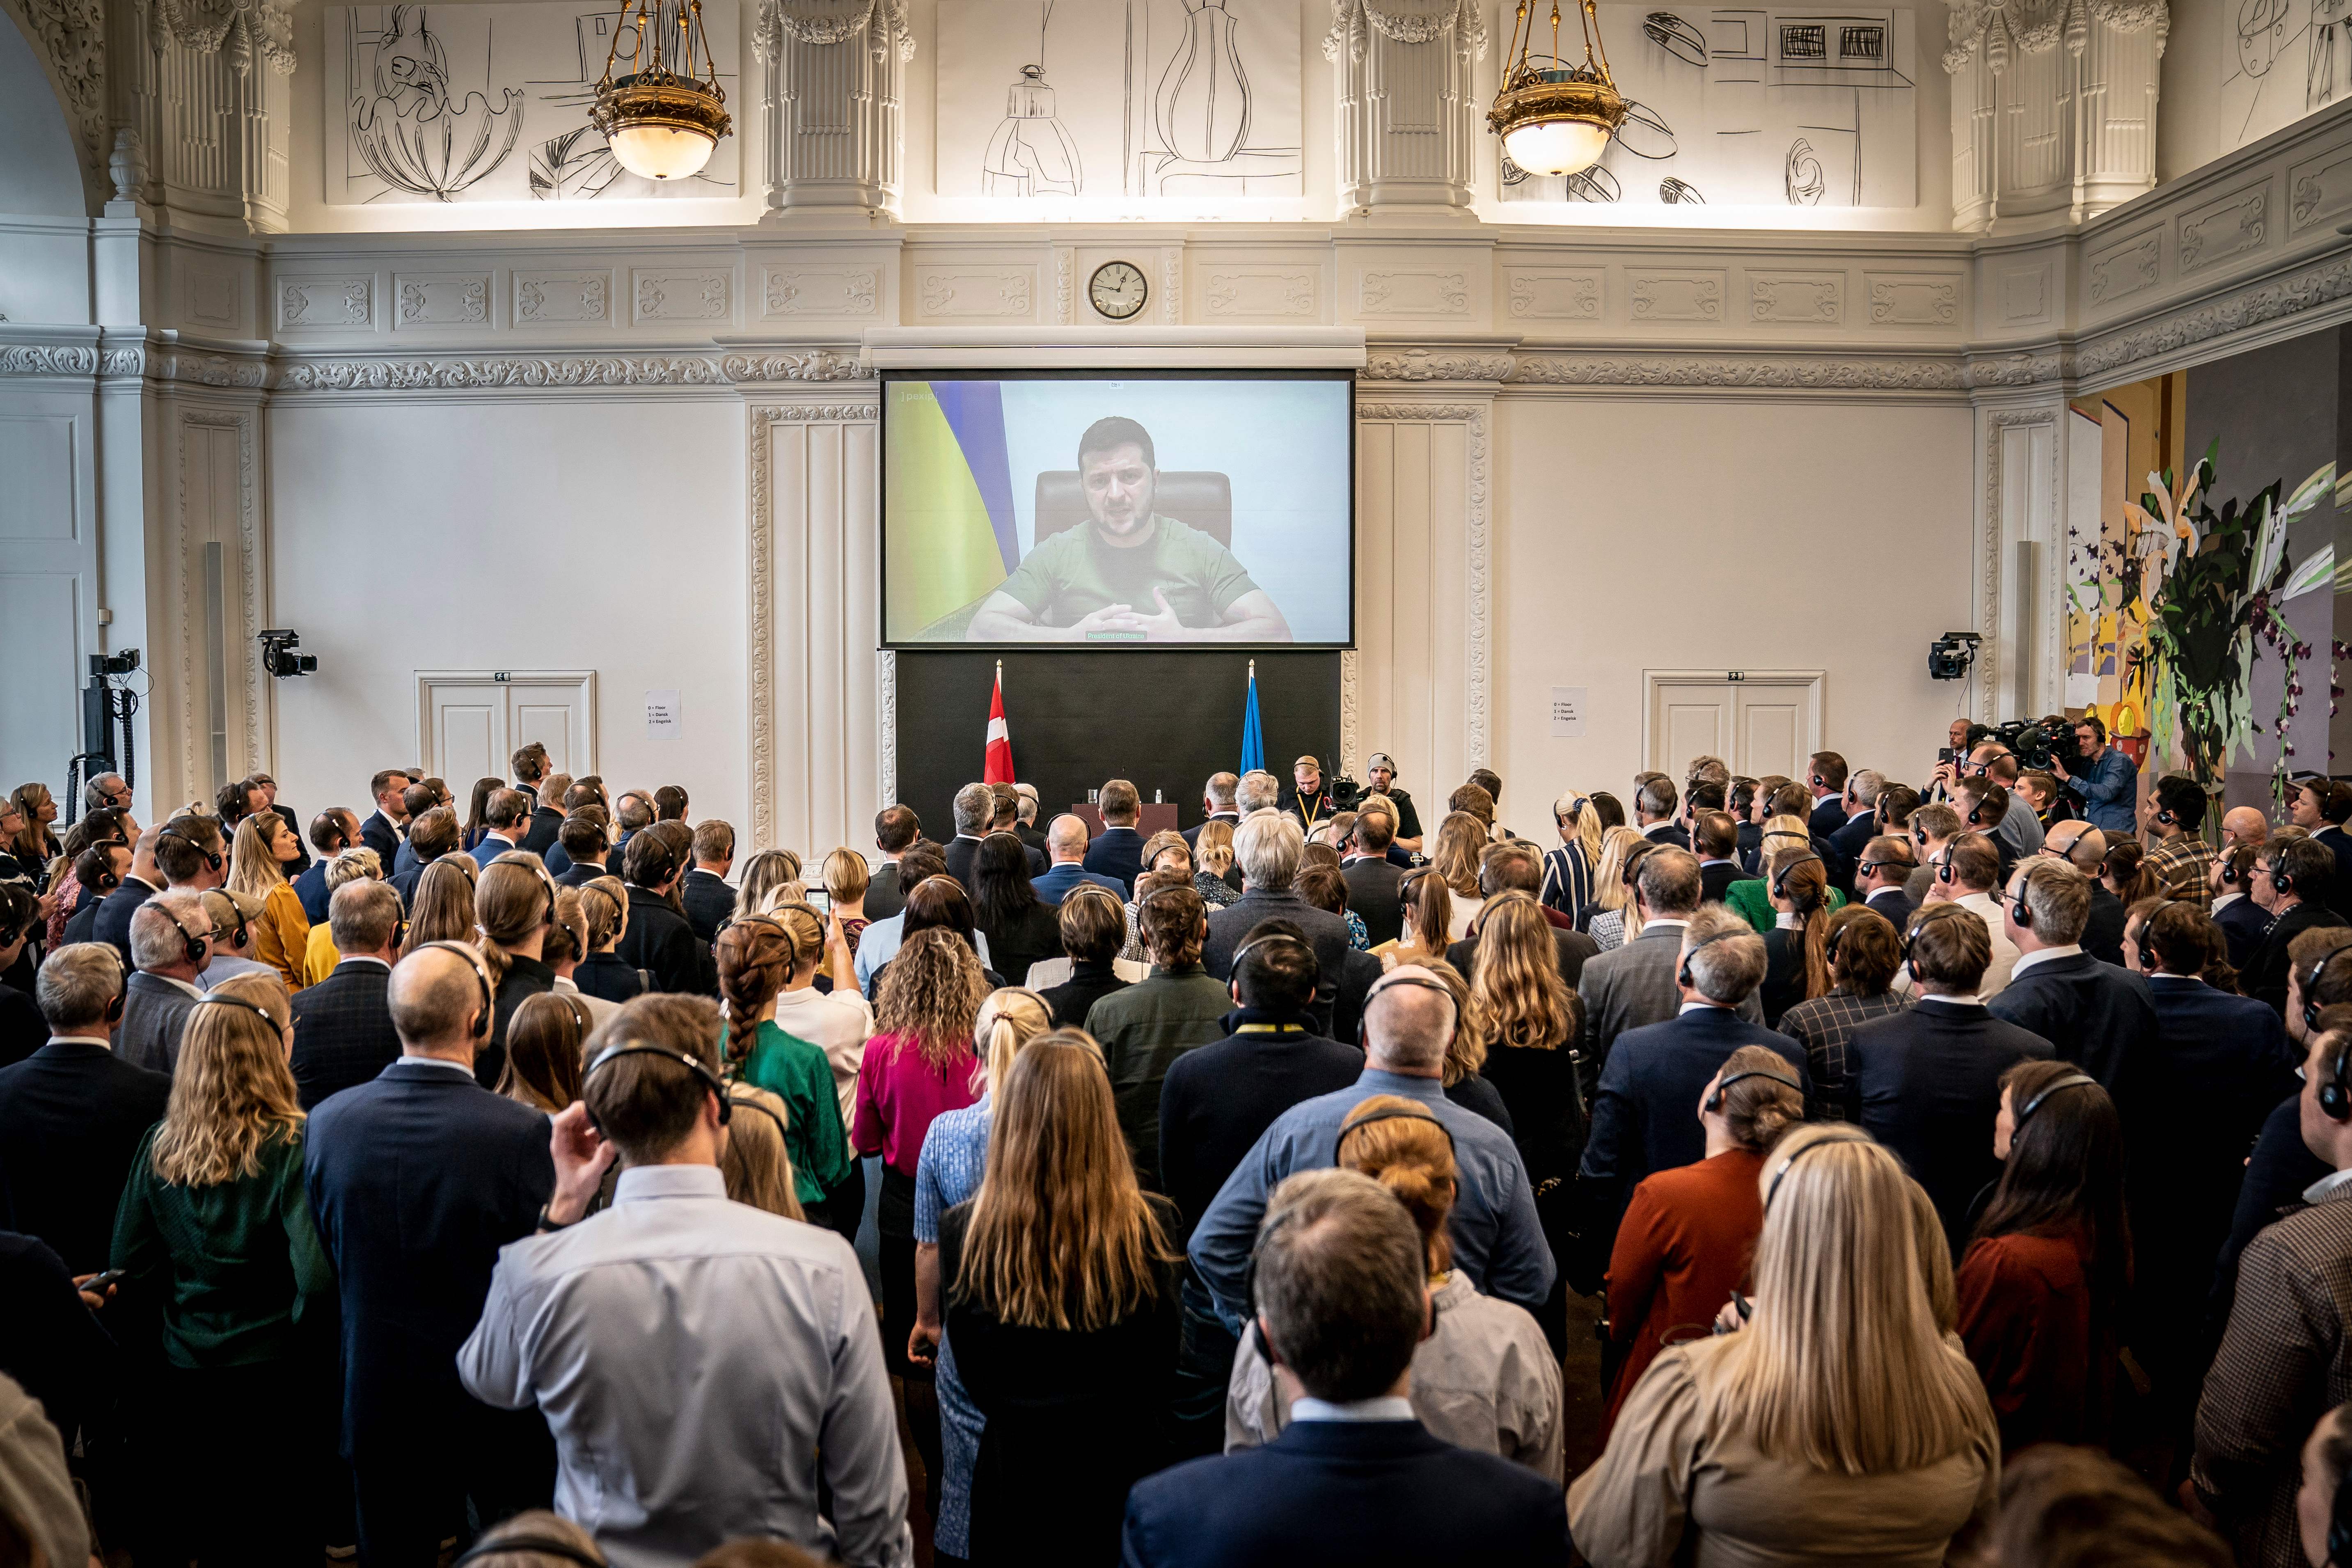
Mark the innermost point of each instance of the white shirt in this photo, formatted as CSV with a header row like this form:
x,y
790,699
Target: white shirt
x,y
1948,1000
1785,920
228,967
2320,1189
104,1040
362,958
767,1344
2004,952
1652,829
839,1026
2224,900
399,829
1388,1407
442,1062
2027,961
196,990
1694,1006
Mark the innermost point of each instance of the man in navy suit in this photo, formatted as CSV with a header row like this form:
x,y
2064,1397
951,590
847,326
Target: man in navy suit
x,y
1851,837
2243,923
2192,1101
111,925
1066,841
1825,775
1927,1082
431,836
2098,1015
416,1179
1715,839
332,831
506,818
382,830
1117,849
1881,874
1217,801
1342,1300
1645,1115
975,814
343,1034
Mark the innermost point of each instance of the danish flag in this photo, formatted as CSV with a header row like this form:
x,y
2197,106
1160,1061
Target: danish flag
x,y
999,769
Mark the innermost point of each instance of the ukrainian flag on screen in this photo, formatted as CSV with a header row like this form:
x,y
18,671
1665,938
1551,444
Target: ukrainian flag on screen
x,y
950,500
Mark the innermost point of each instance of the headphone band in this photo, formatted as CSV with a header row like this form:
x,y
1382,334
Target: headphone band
x,y
711,1081
1388,1113
741,1104
2077,1080
481,975
1790,1158
254,1007
1714,1100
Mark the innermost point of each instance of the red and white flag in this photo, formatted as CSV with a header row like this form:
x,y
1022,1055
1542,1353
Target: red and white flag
x,y
999,769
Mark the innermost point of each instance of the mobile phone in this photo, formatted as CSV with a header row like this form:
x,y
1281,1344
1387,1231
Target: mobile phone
x,y
1943,753
97,1283
820,901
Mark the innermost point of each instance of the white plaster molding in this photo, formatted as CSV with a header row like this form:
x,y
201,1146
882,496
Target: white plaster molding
x,y
1406,23
1421,364
247,29
813,364
1477,591
885,714
47,360
1350,718
2115,357
824,22
487,374
1946,372
69,37
1992,544
762,419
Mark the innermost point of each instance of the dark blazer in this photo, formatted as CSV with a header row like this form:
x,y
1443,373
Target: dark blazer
x,y
2243,921
381,836
1895,905
1116,852
2102,931
23,1030
1037,934
154,1015
1751,845
404,859
113,923
1346,1492
310,887
1714,878
71,1116
489,848
285,815
2266,975
83,922
2192,1103
1852,836
1926,1082
2096,1014
608,976
404,884
525,978
708,901
1827,816
1574,946
1666,833
1341,1016
884,896
1645,1117
343,1031
659,942
1087,985
2339,841
1217,1098
2278,1172
1060,881
1326,932
580,873
960,853
1372,895
1030,834
546,822
416,1180
1193,834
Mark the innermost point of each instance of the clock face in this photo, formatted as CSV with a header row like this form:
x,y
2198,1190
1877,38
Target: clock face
x,y
1118,290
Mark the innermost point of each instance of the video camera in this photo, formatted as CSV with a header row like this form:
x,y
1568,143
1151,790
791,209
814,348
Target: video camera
x,y
2036,744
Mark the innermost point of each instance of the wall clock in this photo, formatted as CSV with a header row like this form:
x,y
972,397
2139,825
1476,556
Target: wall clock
x,y
1118,290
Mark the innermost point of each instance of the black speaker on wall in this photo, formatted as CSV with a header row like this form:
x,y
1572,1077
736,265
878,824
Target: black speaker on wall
x,y
1163,720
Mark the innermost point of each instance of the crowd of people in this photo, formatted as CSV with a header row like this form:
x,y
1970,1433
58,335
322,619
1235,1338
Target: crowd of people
x,y
1951,1172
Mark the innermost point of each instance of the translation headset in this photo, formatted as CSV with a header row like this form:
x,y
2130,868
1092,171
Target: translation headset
x,y
193,946
515,1545
711,1081
1683,974
1789,1159
730,1103
212,858
121,986
2311,984
2073,1080
481,974
254,1007
1388,1113
1780,876
1314,969
1714,1100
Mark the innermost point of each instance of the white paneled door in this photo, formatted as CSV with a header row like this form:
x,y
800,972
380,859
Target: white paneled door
x,y
1758,722
469,723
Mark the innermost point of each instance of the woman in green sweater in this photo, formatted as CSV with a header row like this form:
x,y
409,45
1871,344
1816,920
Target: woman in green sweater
x,y
221,1265
760,957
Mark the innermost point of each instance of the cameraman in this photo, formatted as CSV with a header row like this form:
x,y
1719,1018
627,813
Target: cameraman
x,y
2102,776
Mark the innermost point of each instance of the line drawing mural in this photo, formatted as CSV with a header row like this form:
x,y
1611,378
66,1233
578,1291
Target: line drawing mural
x,y
1196,98
1755,106
2281,60
472,103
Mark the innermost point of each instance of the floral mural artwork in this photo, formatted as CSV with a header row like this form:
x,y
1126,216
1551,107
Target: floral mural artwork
x,y
2212,584
410,132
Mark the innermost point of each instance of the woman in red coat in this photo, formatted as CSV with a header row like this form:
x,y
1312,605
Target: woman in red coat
x,y
2043,1282
1688,1235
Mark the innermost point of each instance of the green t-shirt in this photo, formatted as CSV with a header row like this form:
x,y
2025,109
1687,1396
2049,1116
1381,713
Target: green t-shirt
x,y
1074,573
797,1073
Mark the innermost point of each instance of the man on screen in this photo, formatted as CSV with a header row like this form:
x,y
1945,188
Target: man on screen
x,y
1127,572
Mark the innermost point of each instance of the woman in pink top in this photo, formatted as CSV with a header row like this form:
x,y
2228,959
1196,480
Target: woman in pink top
x,y
919,1063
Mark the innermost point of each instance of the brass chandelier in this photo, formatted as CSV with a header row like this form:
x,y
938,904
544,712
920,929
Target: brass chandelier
x,y
663,116
1555,118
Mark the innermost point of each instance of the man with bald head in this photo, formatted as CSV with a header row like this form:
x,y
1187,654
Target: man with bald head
x,y
1066,844
2243,825
1408,1020
416,1178
2084,847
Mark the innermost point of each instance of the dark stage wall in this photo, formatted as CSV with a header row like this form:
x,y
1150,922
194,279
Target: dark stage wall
x,y
1165,720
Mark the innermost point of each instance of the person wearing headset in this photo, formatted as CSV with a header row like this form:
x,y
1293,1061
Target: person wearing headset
x,y
170,942
1409,1021
2292,879
2101,1016
1967,871
771,1380
2243,921
2042,1289
2174,817
416,1178
2286,1350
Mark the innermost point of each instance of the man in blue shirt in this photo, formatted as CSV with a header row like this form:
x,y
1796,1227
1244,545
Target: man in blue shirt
x,y
2106,780
1408,1022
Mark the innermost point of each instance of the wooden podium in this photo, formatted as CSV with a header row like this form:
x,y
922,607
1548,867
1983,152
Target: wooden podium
x,y
1156,818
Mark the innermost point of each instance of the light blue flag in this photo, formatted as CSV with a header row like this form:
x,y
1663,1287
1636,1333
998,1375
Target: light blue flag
x,y
1253,732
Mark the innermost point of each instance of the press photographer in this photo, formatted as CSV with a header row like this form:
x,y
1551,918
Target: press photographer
x,y
2100,775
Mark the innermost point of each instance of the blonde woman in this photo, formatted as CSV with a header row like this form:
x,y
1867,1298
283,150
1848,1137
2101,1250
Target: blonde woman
x,y
1428,905
263,848
1569,871
1534,1022
602,972
1840,1423
1484,1379
756,1159
1062,1313
955,1153
1751,899
759,956
319,955
769,878
845,881
221,1261
1610,889
1461,840
514,905
1615,927
1214,849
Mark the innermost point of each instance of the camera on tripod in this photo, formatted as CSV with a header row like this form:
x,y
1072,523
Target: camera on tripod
x,y
278,657
1949,656
106,664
